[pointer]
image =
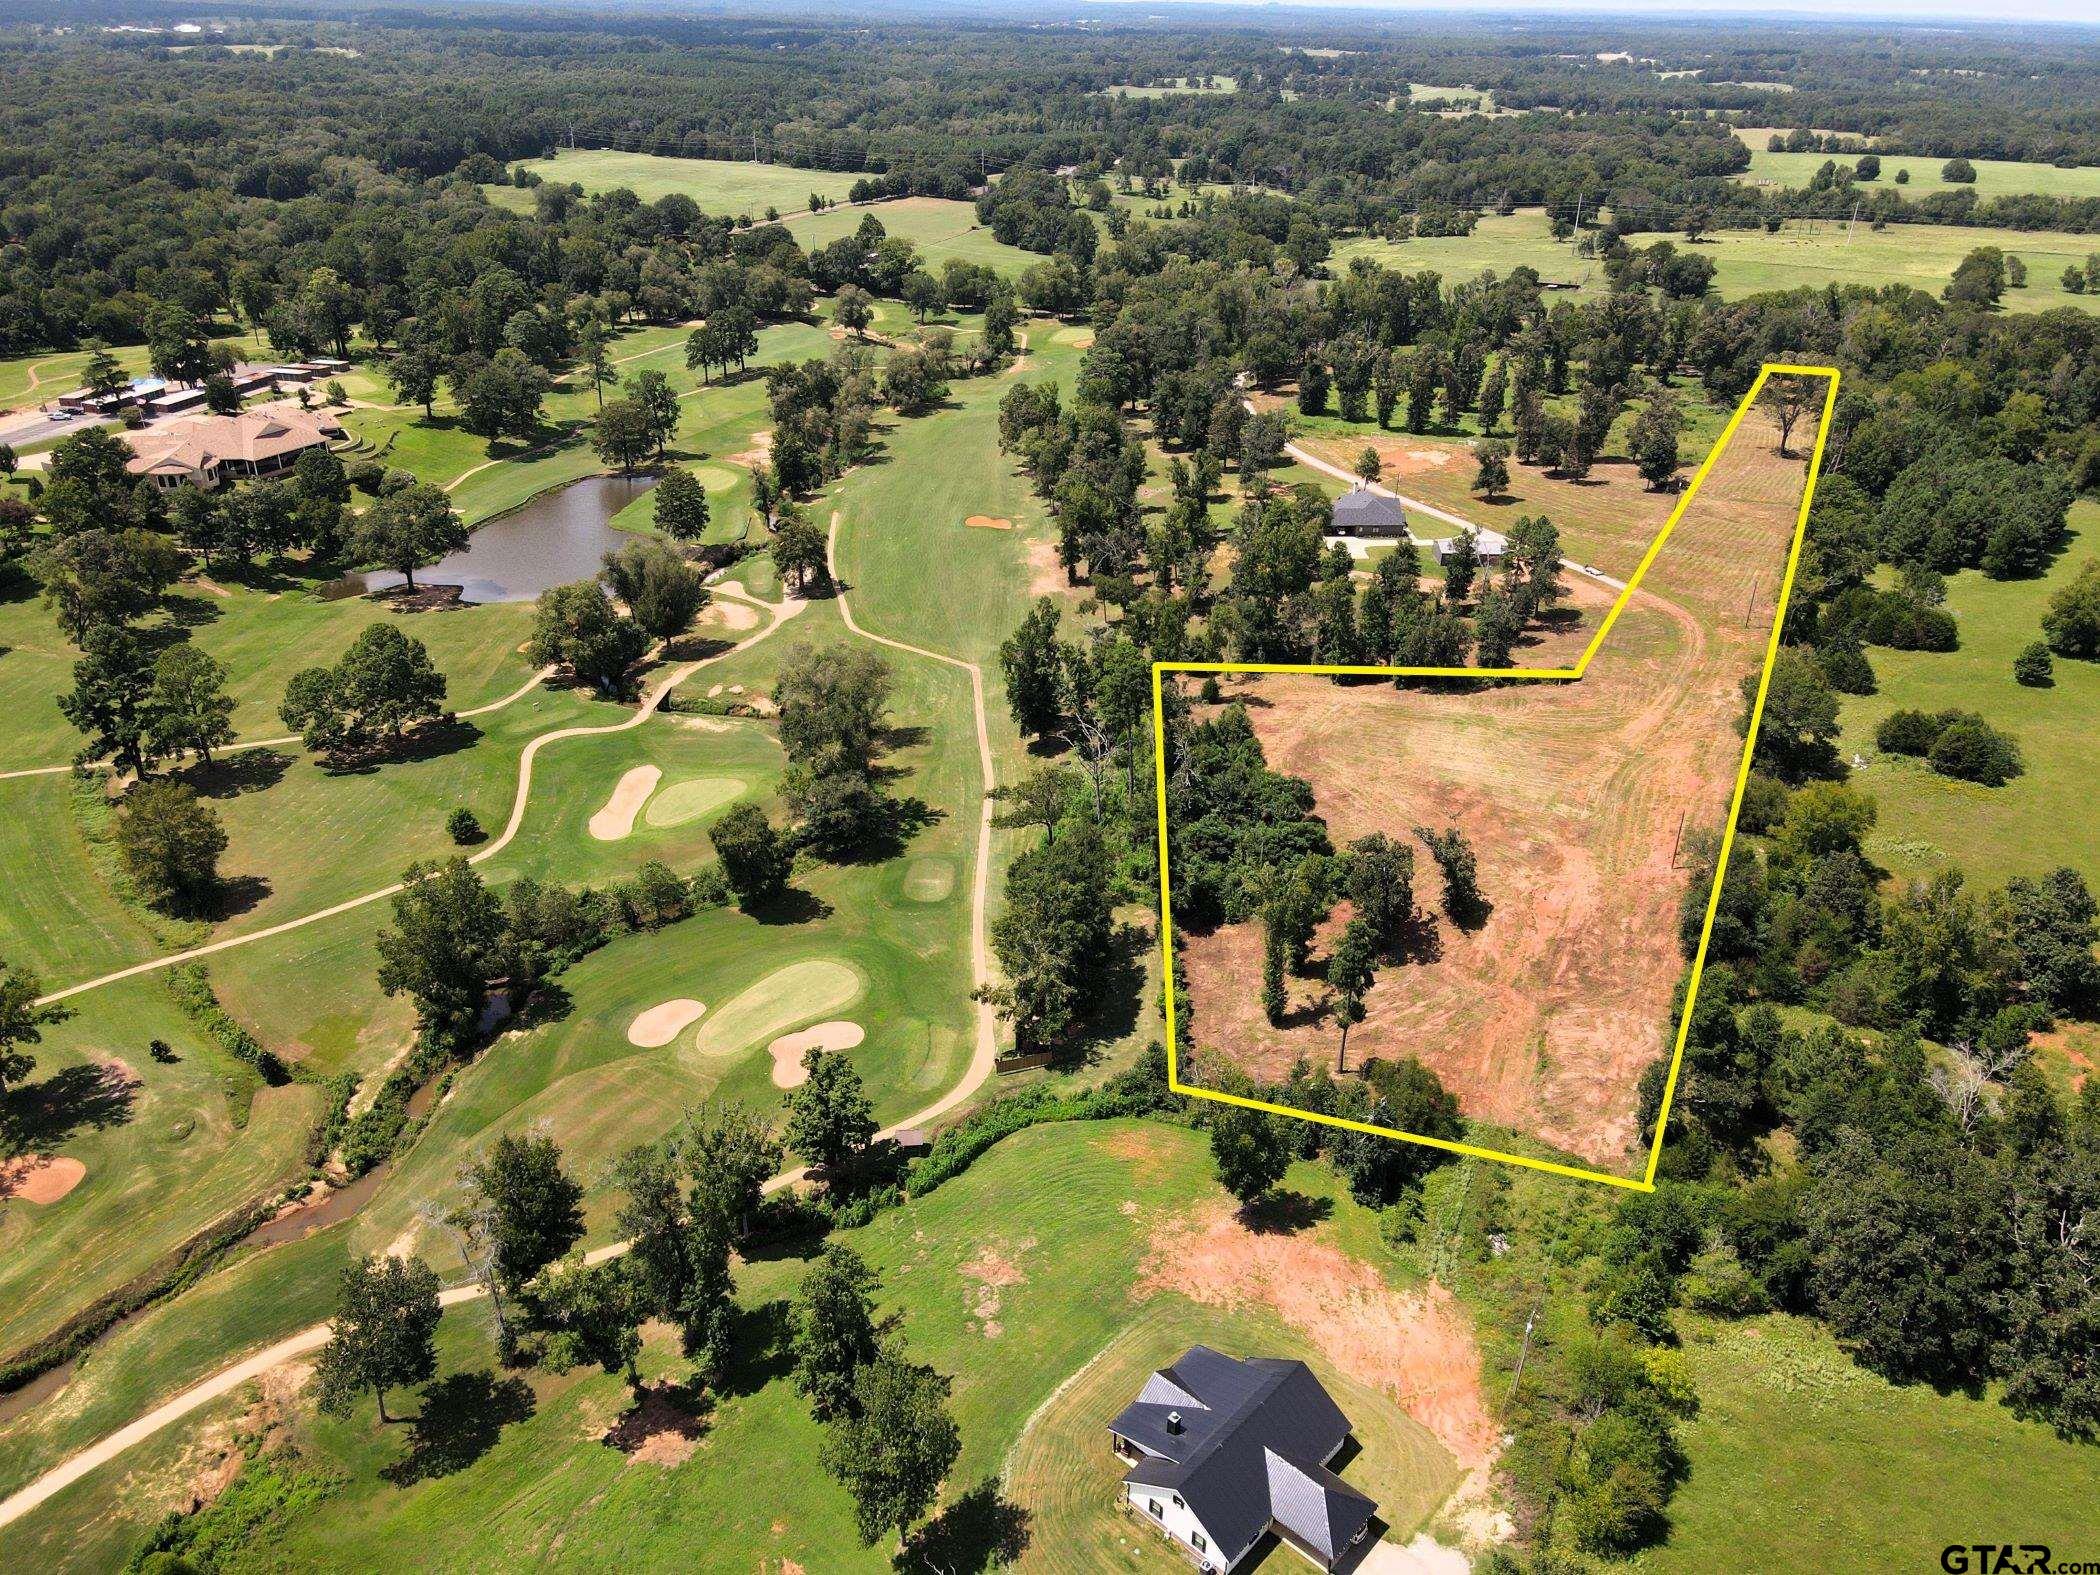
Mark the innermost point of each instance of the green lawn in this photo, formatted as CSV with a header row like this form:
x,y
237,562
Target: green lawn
x,y
1804,252
2035,822
1802,1461
1010,1279
1994,177
166,1151
729,187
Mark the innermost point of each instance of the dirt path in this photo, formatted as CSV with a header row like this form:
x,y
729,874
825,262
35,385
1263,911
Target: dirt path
x,y
650,702
1312,461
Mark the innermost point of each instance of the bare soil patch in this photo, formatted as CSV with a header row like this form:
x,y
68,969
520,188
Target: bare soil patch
x,y
1415,1346
1046,576
657,1431
661,1024
991,1273
760,452
40,1178
788,1050
732,615
1585,803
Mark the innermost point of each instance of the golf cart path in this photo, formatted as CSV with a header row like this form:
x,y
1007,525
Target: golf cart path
x,y
512,698
312,1338
520,803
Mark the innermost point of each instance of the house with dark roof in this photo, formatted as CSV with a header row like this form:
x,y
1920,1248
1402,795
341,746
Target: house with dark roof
x,y
1362,512
1223,1451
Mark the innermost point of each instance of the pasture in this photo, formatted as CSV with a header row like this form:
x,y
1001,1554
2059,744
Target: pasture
x,y
2036,821
1994,177
730,187
1805,252
941,229
1816,1463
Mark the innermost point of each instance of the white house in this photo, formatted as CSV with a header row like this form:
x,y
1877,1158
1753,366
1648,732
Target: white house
x,y
1223,1451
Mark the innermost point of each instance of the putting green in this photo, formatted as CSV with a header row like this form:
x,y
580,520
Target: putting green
x,y
1075,335
716,477
760,1012
929,879
692,798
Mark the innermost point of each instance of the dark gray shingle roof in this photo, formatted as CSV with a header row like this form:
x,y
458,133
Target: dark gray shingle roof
x,y
1362,509
1253,1436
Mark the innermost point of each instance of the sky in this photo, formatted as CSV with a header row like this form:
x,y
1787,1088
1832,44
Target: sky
x,y
2086,11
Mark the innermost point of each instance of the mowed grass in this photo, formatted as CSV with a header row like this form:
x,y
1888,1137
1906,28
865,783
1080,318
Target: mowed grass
x,y
262,631
1045,1204
1994,177
2039,820
940,228
1802,1461
731,188
1810,253
1062,1471
166,1151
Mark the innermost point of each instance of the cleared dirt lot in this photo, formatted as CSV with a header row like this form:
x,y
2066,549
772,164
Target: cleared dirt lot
x,y
1582,801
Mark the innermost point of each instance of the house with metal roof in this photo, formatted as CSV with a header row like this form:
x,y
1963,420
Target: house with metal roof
x,y
1362,512
1490,547
1224,1451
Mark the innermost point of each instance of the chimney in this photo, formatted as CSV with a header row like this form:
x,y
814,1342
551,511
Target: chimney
x,y
1174,1422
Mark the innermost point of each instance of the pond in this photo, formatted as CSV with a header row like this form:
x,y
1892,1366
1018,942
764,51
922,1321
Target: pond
x,y
556,538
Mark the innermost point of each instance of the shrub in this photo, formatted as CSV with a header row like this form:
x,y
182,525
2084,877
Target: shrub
x,y
1970,749
463,828
2034,667
1908,733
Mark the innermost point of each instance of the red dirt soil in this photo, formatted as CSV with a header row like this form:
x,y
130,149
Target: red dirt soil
x,y
1414,1346
40,1179
1572,795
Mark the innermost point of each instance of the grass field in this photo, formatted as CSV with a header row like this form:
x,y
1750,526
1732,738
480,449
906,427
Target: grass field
x,y
1804,252
1802,1461
939,228
2037,821
1172,87
732,188
1994,177
1010,1279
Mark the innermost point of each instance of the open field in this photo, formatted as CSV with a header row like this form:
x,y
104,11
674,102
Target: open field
x,y
2035,822
722,186
1805,252
1994,177
1580,801
1010,1279
1171,87
1814,1463
941,229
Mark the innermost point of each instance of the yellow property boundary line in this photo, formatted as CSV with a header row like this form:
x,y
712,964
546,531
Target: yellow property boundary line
x,y
1646,1182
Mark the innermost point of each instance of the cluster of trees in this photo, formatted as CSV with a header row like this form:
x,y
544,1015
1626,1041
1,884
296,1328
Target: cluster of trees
x,y
452,938
647,592
1954,743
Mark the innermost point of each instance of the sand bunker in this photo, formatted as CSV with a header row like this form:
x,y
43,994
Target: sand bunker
x,y
689,800
614,821
44,1180
988,522
783,998
760,451
717,689
734,615
661,1024
929,879
789,1049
